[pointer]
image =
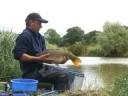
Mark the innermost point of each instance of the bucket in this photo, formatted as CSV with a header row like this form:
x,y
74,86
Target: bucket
x,y
24,85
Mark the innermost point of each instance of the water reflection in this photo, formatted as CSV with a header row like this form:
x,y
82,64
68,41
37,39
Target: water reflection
x,y
100,71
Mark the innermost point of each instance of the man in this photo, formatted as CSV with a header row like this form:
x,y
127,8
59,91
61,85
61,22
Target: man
x,y
28,44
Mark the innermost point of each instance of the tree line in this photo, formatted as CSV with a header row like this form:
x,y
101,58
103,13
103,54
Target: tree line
x,y
111,42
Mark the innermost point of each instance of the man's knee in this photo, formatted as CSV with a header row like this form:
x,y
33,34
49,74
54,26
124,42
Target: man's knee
x,y
65,79
63,76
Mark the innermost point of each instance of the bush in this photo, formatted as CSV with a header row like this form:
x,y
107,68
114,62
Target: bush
x,y
94,50
121,86
77,49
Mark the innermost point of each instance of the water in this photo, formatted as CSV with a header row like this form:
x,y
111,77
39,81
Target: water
x,y
100,71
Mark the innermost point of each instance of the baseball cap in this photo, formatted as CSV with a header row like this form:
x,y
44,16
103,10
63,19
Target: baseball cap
x,y
35,16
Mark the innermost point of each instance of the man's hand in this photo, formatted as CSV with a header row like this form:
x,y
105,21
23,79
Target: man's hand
x,y
64,60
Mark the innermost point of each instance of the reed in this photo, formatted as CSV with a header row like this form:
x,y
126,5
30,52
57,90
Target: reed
x,y
8,65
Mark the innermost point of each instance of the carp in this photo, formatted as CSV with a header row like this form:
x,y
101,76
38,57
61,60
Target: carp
x,y
58,54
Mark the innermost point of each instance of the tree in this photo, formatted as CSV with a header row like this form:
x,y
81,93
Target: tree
x,y
90,38
63,42
52,37
114,39
74,34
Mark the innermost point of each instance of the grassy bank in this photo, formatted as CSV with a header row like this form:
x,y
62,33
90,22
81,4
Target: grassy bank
x,y
84,93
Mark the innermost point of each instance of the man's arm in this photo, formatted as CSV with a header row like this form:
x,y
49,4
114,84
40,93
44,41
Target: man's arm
x,y
42,58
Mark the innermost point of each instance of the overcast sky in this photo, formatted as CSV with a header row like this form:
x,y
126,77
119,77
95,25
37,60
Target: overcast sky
x,y
89,15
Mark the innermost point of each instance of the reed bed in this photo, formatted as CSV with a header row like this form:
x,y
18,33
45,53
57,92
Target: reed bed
x,y
8,65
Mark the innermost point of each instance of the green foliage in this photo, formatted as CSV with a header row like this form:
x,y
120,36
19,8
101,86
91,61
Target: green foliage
x,y
74,34
77,49
120,86
9,66
52,37
63,42
50,46
90,38
94,50
114,39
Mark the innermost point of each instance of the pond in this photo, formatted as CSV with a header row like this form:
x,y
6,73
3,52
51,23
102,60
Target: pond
x,y
100,71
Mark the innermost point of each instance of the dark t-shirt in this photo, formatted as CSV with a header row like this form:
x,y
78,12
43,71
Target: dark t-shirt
x,y
28,42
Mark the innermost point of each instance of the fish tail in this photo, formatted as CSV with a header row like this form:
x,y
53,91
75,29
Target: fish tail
x,y
76,62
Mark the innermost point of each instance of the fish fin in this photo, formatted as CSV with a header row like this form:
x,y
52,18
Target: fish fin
x,y
76,62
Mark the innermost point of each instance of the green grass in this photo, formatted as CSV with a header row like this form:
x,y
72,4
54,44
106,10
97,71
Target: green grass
x,y
84,93
120,86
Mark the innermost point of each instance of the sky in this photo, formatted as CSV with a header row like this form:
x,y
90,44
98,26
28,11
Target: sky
x,y
89,15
